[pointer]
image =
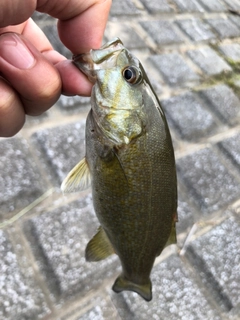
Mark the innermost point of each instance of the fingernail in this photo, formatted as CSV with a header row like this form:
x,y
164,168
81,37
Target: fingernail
x,y
15,52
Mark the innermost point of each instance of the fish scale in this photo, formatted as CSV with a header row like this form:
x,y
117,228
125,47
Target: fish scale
x,y
130,163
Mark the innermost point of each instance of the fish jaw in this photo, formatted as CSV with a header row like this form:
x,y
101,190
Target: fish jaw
x,y
99,59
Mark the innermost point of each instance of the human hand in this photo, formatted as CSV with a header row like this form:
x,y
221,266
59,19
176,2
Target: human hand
x,y
32,73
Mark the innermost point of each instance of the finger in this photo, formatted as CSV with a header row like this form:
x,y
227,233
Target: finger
x,y
73,81
36,80
85,32
82,22
12,114
32,32
38,39
36,36
17,29
16,11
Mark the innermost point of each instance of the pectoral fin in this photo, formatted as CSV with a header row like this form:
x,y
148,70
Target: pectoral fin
x,y
78,178
99,247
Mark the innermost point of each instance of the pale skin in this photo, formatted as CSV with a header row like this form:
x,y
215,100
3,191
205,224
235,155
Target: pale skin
x,y
32,74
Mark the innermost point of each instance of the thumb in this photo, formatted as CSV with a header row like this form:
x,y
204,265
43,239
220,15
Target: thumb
x,y
15,11
34,78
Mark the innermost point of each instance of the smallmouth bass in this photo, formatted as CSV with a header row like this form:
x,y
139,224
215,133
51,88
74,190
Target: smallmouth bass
x,y
129,164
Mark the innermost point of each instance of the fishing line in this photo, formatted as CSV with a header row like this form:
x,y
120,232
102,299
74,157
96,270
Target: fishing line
x,y
26,209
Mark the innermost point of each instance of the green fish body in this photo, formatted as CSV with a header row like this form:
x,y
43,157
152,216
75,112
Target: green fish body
x,y
130,164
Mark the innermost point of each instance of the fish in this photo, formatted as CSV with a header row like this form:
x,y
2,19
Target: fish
x,y
130,165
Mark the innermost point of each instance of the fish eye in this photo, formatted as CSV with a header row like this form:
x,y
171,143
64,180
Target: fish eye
x,y
131,75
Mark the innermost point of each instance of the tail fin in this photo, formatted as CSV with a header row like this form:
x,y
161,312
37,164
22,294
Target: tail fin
x,y
145,291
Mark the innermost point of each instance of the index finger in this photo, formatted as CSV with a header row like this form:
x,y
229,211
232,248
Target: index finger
x,y
81,23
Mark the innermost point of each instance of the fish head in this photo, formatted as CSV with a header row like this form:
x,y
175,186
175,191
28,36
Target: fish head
x,y
115,72
117,95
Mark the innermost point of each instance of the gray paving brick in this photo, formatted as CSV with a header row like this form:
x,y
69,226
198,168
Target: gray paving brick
x,y
61,148
156,84
99,305
126,33
29,120
74,103
20,297
161,31
236,83
216,257
123,7
208,181
40,17
231,147
209,61
196,29
93,314
224,103
235,19
189,5
224,28
186,214
181,112
176,296
20,180
233,4
174,69
214,5
156,6
62,236
231,51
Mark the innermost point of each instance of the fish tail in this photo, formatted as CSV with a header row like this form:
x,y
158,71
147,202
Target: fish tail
x,y
144,290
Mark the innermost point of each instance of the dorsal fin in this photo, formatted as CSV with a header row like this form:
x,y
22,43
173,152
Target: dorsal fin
x,y
78,178
99,247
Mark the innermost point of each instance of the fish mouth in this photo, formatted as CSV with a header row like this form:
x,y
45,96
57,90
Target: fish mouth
x,y
97,59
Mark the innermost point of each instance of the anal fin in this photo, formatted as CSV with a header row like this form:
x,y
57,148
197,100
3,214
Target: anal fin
x,y
78,178
99,247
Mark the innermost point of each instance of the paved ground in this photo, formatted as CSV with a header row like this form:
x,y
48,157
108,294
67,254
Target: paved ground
x,y
191,52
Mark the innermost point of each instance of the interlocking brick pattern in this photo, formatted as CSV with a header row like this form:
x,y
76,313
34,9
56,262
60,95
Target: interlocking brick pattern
x,y
181,112
208,61
191,52
174,69
196,29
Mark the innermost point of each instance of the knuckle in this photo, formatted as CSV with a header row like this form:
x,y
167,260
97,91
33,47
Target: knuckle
x,y
50,91
11,115
7,98
43,97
